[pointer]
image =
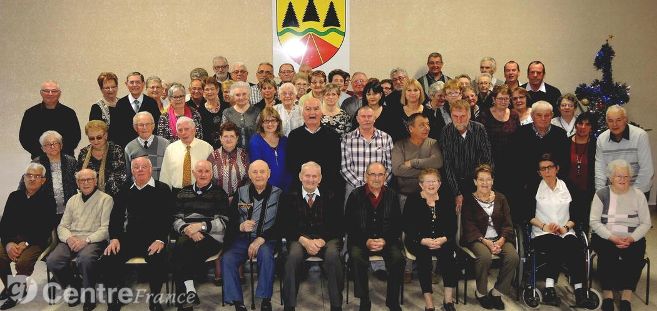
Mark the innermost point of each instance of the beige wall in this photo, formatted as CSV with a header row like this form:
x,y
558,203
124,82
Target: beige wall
x,y
72,41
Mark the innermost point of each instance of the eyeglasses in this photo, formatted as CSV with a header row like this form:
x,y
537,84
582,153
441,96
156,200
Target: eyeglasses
x,y
400,78
143,124
453,94
270,121
32,176
92,138
286,71
47,91
109,88
547,168
622,177
140,167
260,72
239,71
376,175
220,67
197,89
86,180
359,81
178,97
502,99
51,145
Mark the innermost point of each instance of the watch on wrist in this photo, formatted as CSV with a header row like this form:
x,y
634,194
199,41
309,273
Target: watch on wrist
x,y
203,228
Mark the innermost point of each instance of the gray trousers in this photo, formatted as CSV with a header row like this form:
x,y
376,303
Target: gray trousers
x,y
332,266
59,263
482,263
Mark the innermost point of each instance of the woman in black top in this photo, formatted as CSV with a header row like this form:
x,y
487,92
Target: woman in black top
x,y
430,227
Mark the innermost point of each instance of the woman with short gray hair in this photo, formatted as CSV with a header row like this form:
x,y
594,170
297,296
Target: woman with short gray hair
x,y
242,113
177,108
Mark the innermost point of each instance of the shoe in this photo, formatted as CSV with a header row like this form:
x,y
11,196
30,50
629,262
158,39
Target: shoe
x,y
114,306
88,306
218,281
4,294
408,276
381,275
155,306
625,305
288,308
550,297
431,309
365,305
448,306
582,300
484,301
240,307
74,302
8,304
265,305
192,299
336,308
607,304
495,301
395,308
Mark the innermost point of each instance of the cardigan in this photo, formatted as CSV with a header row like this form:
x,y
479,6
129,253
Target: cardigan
x,y
418,218
155,153
630,215
358,211
211,207
298,216
635,150
267,219
474,219
88,219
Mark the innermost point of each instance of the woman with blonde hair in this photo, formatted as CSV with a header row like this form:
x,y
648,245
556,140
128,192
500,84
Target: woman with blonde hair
x,y
104,157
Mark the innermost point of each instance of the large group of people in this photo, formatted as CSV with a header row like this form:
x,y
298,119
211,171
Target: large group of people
x,y
325,162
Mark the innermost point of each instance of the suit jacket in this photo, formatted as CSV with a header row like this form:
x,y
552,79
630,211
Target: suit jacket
x,y
474,219
298,219
551,96
121,131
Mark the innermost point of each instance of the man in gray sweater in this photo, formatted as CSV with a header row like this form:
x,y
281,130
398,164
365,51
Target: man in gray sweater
x,y
146,143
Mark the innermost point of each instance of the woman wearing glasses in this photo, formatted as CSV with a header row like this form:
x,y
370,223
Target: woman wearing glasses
x,y
568,111
109,87
166,127
104,157
270,145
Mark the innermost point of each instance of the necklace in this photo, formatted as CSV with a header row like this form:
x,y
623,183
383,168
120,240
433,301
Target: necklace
x,y
579,155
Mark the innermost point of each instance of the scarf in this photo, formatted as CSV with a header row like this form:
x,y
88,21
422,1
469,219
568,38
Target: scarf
x,y
173,118
101,170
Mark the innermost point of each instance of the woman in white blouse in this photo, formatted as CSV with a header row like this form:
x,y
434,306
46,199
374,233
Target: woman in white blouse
x,y
553,235
568,111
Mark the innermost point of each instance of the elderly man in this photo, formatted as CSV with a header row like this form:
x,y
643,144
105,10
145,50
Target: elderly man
x,y
374,228
624,141
315,142
531,141
83,233
25,228
285,73
435,72
484,94
265,71
313,227
179,156
49,114
465,146
351,104
489,65
511,71
399,77
537,88
239,72
252,233
201,218
220,68
362,146
146,143
121,132
196,99
139,227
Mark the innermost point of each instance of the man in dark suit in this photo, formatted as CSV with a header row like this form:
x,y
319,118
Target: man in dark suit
x,y
121,131
538,89
313,228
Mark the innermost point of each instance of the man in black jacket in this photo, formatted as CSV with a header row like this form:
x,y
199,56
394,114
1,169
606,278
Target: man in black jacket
x,y
148,205
121,131
374,228
313,228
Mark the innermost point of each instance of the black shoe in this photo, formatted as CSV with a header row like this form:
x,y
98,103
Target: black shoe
x,y
432,309
74,302
288,308
582,300
191,299
607,304
365,305
495,301
484,301
240,307
265,305
155,306
336,308
448,306
218,281
550,297
381,275
88,306
9,303
4,294
625,305
395,308
114,306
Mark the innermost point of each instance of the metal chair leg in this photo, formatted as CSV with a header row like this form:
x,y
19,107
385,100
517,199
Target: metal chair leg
x,y
647,260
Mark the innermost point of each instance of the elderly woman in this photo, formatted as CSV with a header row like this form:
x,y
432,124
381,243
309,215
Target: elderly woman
x,y
470,96
242,113
519,100
270,145
109,86
301,83
166,127
60,171
487,231
229,162
501,123
155,90
582,165
619,219
268,90
288,109
104,157
552,234
568,105
317,83
429,223
334,116
211,112
438,112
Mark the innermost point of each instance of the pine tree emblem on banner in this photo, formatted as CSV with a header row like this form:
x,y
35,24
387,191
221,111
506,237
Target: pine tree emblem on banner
x,y
310,32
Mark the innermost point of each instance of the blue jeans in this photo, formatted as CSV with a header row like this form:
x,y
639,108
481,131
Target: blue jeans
x,y
234,256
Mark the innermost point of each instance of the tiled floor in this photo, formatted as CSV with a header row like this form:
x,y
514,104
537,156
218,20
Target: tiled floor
x,y
313,296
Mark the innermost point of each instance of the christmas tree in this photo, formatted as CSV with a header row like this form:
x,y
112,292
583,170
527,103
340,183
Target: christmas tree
x,y
601,94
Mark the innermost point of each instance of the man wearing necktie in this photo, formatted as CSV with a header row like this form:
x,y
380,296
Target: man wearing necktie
x,y
146,143
121,130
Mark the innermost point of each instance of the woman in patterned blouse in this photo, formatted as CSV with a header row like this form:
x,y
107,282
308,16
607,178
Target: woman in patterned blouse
x,y
104,157
334,116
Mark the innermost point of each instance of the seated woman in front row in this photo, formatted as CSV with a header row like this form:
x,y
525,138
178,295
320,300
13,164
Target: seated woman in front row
x,y
552,234
620,219
430,227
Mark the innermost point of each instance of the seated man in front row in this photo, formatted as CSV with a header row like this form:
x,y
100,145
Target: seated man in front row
x,y
148,205
25,227
252,233
313,227
201,219
83,233
374,228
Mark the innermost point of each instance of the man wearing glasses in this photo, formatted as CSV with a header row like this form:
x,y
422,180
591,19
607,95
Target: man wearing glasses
x,y
146,143
49,114
83,233
265,71
435,73
25,227
121,132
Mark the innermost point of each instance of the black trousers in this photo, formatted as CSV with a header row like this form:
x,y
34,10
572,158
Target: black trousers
x,y
133,246
189,255
619,269
394,261
446,262
557,251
